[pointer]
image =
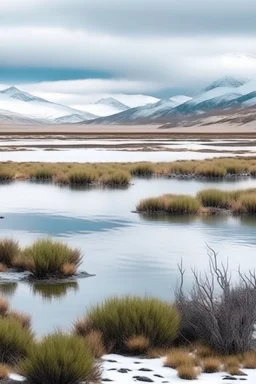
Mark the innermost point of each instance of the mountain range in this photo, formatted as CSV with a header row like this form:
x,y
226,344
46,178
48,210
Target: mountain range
x,y
225,94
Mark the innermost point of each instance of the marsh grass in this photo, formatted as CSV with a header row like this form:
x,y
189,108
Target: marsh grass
x,y
22,318
15,340
9,249
210,171
95,341
187,371
120,319
177,357
215,198
171,204
142,170
82,177
138,344
4,371
47,258
60,359
4,306
41,173
117,178
211,364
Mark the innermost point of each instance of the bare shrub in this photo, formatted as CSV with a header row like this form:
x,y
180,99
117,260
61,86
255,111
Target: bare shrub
x,y
225,321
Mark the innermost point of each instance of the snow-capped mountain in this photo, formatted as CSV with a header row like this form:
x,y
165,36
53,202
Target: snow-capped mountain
x,y
7,117
106,107
226,81
149,111
14,100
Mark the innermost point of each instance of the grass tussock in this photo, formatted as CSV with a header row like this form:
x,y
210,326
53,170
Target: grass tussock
x,y
60,359
215,198
117,178
211,171
9,249
170,204
48,258
22,318
142,170
138,344
155,353
249,360
4,306
82,177
211,365
187,371
3,267
120,319
15,341
41,173
4,371
177,357
95,341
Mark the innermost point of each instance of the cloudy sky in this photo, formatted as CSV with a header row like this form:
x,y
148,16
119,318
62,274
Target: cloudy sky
x,y
76,51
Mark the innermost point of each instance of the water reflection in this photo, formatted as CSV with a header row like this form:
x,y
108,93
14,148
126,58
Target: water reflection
x,y
8,289
51,291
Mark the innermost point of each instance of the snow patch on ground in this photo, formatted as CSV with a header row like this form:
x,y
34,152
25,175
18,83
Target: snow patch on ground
x,y
126,370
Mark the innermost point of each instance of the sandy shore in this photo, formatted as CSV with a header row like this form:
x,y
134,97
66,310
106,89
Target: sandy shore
x,y
130,130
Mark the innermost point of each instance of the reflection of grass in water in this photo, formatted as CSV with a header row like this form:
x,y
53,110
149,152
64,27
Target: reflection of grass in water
x,y
52,291
169,219
8,289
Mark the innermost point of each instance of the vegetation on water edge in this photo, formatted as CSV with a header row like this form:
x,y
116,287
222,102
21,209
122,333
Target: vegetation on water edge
x,y
60,359
44,259
119,174
209,201
121,320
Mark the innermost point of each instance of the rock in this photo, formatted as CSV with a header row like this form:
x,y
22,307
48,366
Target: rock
x,y
161,377
143,378
112,369
111,361
145,370
124,370
106,380
137,362
229,378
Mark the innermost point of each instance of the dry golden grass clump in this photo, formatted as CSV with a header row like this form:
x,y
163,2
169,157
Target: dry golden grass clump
x,y
249,360
95,341
142,169
188,371
210,171
138,344
177,357
4,371
211,364
9,249
154,353
4,306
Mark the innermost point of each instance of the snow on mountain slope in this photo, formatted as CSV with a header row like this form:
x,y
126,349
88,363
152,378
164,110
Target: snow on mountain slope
x,y
105,107
69,119
247,88
14,100
8,117
134,101
226,81
149,111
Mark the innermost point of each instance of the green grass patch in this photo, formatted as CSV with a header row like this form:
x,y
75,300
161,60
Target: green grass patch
x,y
9,250
15,340
48,258
120,319
60,359
171,204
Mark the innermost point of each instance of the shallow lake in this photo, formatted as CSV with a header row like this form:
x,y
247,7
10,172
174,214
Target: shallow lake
x,y
126,252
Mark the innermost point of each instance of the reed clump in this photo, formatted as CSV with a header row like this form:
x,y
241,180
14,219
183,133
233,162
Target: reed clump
x,y
170,204
123,321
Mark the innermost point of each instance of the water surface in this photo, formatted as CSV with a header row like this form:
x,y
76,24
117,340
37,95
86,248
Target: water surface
x,y
127,252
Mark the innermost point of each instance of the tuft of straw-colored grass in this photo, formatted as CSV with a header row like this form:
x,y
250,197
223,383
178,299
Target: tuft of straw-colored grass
x,y
249,360
211,364
188,371
4,371
138,344
142,170
3,267
23,318
9,249
4,306
95,341
177,357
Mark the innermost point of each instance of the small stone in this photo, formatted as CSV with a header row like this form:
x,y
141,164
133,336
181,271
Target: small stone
x,y
145,370
161,377
124,370
229,378
112,369
143,378
137,362
106,380
111,361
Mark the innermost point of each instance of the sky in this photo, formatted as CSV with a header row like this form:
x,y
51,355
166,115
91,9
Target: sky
x,y
78,51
